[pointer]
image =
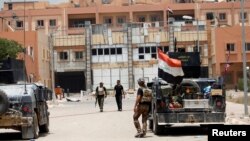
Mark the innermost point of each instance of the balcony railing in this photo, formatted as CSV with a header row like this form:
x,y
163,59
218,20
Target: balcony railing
x,y
154,32
69,65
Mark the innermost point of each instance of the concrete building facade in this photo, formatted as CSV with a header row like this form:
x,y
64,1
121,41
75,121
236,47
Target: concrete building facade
x,y
37,58
124,35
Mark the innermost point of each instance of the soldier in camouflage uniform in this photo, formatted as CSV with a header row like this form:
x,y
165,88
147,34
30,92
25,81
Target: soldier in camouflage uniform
x,y
141,108
101,93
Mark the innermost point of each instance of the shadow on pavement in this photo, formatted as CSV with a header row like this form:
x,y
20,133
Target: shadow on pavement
x,y
184,131
17,136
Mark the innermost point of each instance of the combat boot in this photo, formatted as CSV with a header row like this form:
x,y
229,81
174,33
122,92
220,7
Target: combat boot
x,y
143,134
138,134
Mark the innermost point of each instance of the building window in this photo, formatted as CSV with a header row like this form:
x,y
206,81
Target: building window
x,y
63,55
121,20
222,16
40,23
166,49
106,1
10,6
141,49
141,57
106,51
147,49
119,50
78,55
19,24
154,56
210,16
107,20
230,47
94,52
30,51
244,16
52,22
181,50
247,46
153,49
141,19
100,51
112,51
161,48
155,18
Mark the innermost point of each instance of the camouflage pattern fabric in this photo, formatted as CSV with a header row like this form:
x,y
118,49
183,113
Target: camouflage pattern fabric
x,y
142,109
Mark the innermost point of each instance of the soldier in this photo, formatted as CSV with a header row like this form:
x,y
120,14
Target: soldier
x,y
101,93
118,94
141,108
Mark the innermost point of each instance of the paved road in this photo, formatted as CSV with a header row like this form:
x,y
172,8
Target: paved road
x,y
71,121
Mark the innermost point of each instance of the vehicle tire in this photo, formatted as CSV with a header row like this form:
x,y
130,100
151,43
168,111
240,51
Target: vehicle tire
x,y
190,83
45,128
158,129
31,132
4,102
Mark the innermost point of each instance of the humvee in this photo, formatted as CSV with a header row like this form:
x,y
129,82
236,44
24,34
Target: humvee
x,y
23,107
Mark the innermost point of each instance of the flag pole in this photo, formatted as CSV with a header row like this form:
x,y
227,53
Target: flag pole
x,y
168,27
226,67
243,44
167,16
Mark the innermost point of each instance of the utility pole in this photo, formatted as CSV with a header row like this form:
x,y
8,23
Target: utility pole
x,y
130,56
198,36
88,35
52,66
244,58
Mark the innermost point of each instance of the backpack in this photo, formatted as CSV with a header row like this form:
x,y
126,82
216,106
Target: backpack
x,y
147,95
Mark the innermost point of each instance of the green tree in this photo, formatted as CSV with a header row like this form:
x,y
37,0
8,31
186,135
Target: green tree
x,y
9,48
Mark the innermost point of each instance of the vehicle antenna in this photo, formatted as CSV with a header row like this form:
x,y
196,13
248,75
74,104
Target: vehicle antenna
x,y
24,53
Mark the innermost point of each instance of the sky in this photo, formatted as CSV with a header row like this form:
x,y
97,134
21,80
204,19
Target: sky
x,y
51,1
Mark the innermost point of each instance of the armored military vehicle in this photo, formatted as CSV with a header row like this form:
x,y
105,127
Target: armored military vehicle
x,y
23,106
194,102
24,109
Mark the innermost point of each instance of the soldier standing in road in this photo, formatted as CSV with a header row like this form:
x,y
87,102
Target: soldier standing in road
x,y
101,93
141,108
118,94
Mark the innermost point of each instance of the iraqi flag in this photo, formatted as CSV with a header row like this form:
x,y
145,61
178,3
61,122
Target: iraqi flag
x,y
169,69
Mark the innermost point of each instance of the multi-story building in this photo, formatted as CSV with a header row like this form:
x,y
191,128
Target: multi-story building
x,y
124,35
37,57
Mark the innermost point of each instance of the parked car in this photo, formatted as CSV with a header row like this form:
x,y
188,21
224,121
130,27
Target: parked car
x,y
23,107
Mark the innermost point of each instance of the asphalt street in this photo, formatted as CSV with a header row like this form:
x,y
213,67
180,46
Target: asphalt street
x,y
82,121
